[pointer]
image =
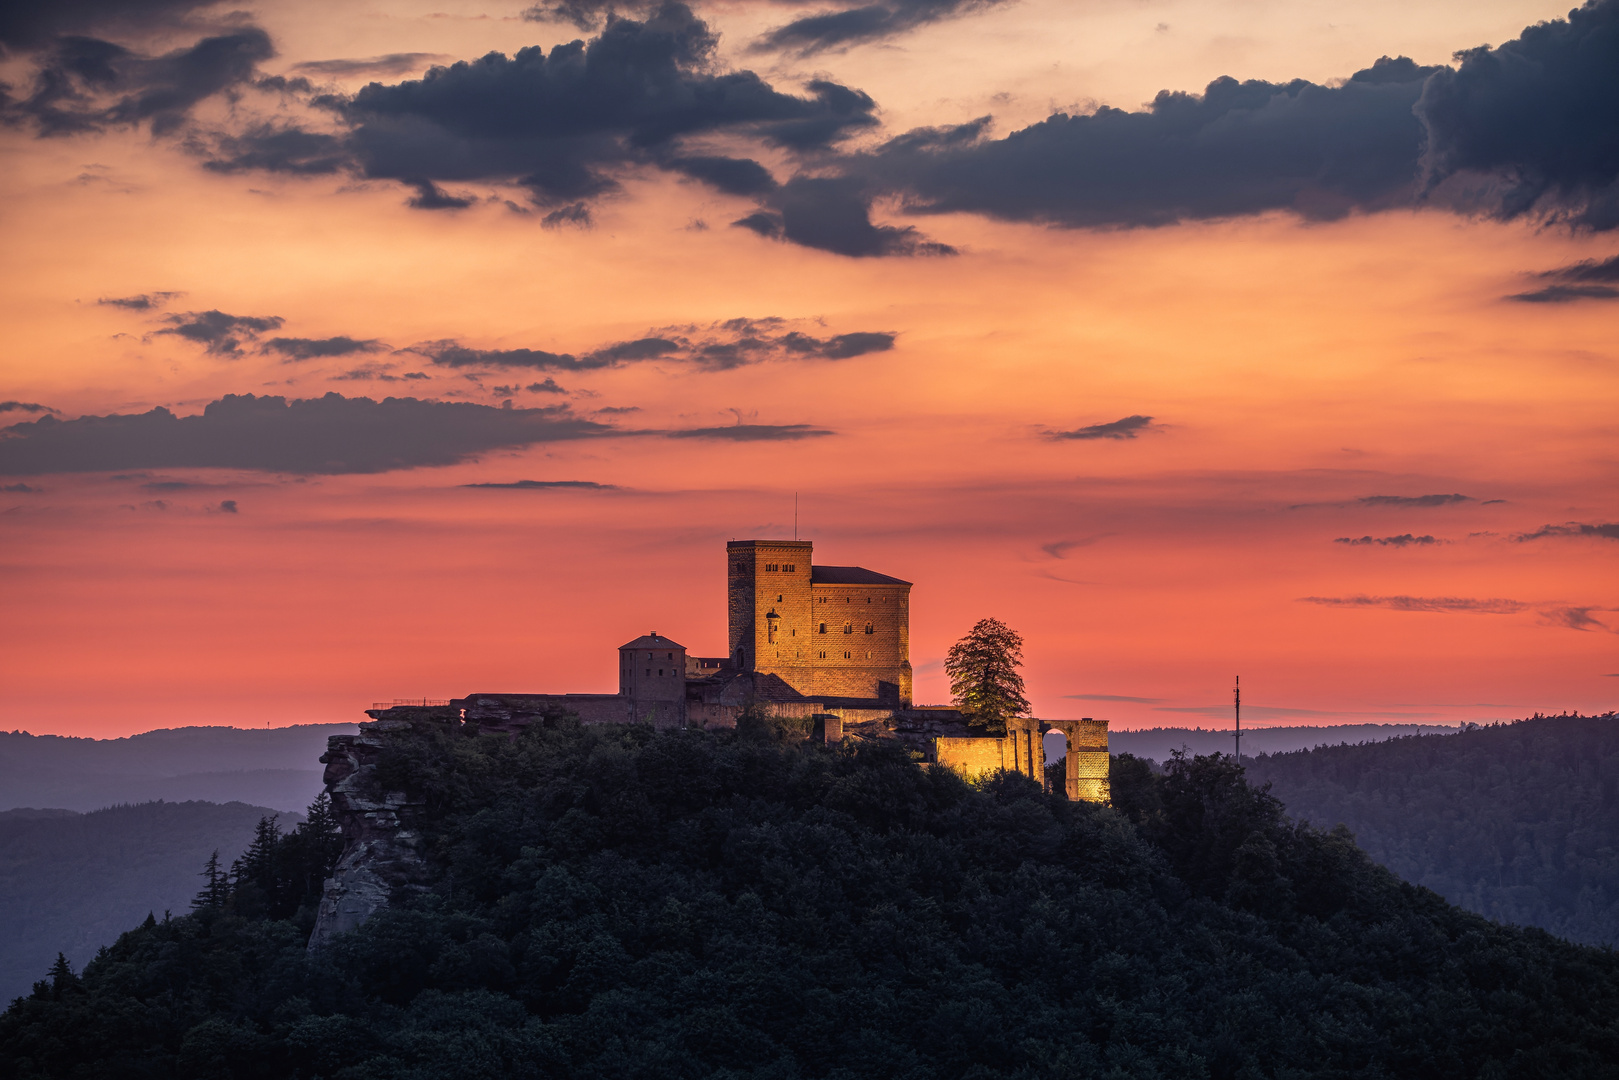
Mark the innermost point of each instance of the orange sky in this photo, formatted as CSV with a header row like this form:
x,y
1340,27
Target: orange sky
x,y
1294,372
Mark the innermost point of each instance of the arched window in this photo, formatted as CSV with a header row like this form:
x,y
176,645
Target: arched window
x,y
869,629
848,628
823,628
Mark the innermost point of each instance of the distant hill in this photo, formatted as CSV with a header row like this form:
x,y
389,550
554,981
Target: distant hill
x,y
73,882
1518,822
1159,743
278,767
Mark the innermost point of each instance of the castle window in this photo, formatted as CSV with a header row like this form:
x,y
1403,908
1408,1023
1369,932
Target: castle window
x,y
869,630
671,656
823,628
778,598
649,672
848,656
848,628
788,568
660,671
823,654
741,569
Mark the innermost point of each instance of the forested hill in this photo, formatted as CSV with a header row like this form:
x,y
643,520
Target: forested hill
x,y
1517,821
72,882
620,902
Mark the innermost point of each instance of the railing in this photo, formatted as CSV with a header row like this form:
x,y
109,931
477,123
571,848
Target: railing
x,y
420,703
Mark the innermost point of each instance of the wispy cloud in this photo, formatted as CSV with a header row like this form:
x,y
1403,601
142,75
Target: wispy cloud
x,y
1605,530
143,302
1399,502
1114,697
1124,428
1059,549
1579,281
1461,604
547,485
1403,540
753,432
1573,618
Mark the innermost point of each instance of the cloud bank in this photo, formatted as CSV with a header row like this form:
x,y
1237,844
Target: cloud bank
x,y
328,435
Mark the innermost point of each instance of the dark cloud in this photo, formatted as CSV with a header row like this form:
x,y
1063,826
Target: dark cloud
x,y
1605,530
834,214
863,23
1589,270
429,196
1573,618
22,489
227,506
1537,117
277,148
549,485
25,406
297,348
1124,428
1413,500
730,344
733,176
563,123
143,302
1579,281
549,386
577,214
1238,148
1563,294
1422,603
27,24
327,435
219,333
753,433
84,84
849,22
391,64
1403,540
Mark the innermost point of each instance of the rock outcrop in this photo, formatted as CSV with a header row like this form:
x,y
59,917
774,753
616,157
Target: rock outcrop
x,y
381,849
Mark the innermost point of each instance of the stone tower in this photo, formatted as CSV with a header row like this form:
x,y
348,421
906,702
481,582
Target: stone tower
x,y
768,602
825,631
652,668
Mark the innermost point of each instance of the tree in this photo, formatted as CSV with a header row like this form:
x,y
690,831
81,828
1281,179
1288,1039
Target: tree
x,y
217,891
984,680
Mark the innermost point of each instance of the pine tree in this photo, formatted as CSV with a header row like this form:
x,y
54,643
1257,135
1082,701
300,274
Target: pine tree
x,y
257,865
217,891
984,679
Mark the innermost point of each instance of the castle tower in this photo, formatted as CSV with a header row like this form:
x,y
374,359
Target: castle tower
x,y
768,602
652,668
826,631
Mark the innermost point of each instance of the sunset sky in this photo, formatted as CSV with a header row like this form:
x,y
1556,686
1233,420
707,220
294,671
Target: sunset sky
x,y
352,352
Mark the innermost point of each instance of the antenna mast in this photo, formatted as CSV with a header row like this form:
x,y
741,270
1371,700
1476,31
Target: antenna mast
x,y
795,515
1236,702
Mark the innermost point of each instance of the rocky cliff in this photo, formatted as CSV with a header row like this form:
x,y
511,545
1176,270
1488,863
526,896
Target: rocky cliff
x,y
381,841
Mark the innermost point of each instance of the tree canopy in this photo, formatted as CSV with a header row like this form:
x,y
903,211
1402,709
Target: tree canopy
x,y
627,903
984,679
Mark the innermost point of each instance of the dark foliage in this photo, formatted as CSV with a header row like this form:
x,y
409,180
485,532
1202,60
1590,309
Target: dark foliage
x,y
629,903
1517,821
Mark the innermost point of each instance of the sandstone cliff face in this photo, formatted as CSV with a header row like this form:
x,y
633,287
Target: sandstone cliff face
x,y
381,851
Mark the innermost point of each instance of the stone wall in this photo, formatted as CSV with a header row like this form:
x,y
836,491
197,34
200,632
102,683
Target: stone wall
x,y
511,712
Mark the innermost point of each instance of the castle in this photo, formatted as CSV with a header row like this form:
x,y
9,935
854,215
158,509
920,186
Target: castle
x,y
826,645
